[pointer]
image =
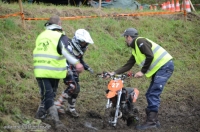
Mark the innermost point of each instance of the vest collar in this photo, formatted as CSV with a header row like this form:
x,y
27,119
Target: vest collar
x,y
132,45
53,27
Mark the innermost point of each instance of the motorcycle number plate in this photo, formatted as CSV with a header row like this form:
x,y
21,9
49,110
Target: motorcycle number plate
x,y
115,85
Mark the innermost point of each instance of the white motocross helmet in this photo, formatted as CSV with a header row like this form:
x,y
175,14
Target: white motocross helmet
x,y
81,35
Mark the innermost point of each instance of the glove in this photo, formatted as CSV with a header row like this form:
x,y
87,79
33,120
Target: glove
x,y
90,70
130,74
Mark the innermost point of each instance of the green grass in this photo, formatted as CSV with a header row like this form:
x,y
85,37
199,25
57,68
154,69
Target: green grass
x,y
18,87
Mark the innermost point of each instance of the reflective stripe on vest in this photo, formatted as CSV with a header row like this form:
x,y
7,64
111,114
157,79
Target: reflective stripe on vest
x,y
50,68
47,62
161,56
49,56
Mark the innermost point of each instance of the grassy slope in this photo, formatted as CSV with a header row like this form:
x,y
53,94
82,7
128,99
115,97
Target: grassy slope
x,y
18,88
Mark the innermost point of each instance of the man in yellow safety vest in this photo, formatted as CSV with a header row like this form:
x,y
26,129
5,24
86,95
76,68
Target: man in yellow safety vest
x,y
49,58
155,62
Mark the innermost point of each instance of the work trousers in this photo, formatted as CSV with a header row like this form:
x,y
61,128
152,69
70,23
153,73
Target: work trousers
x,y
157,84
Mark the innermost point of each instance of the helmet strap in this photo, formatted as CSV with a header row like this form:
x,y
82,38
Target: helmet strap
x,y
77,46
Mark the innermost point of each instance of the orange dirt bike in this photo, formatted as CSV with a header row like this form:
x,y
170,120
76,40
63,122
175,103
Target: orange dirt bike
x,y
120,101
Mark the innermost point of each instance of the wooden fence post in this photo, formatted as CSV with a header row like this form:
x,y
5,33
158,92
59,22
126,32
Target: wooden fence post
x,y
22,13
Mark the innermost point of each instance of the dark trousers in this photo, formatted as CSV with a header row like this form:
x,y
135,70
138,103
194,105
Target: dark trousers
x,y
156,87
48,88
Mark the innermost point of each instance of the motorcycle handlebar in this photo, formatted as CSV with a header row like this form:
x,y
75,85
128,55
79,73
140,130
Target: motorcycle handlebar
x,y
103,75
121,76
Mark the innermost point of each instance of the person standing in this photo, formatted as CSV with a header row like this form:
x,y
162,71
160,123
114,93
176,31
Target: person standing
x,y
49,58
77,46
155,62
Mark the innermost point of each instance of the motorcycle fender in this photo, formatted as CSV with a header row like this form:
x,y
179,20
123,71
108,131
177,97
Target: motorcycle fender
x,y
135,96
110,94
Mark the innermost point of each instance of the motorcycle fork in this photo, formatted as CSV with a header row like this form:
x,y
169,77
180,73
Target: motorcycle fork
x,y
108,104
114,122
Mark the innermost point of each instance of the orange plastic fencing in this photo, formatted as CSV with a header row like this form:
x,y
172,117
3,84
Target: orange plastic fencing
x,y
110,15
95,16
9,15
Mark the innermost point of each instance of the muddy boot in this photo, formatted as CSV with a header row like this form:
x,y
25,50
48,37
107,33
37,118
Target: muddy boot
x,y
53,120
151,121
41,112
63,97
157,122
60,103
71,108
156,118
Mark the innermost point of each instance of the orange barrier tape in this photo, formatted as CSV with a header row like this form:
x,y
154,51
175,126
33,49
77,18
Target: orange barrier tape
x,y
116,15
15,14
36,18
108,15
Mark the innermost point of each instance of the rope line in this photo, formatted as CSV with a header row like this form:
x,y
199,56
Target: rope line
x,y
94,16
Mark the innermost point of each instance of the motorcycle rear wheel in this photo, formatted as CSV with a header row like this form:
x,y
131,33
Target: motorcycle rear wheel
x,y
133,121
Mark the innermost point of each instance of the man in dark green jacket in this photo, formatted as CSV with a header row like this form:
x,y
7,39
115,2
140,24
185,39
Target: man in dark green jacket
x,y
155,62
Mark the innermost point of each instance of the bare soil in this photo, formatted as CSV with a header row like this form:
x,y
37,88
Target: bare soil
x,y
173,116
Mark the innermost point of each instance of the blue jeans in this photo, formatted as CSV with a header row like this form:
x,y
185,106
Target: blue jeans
x,y
156,87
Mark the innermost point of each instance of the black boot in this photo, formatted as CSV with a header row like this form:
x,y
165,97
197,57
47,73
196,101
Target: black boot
x,y
151,121
41,112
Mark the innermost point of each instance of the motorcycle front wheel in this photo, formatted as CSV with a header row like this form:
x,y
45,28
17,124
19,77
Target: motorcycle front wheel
x,y
108,117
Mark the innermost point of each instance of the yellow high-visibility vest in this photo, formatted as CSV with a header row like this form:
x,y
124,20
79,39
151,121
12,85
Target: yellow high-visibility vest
x,y
47,62
161,56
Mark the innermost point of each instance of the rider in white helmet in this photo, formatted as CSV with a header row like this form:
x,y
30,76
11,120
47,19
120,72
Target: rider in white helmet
x,y
77,46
